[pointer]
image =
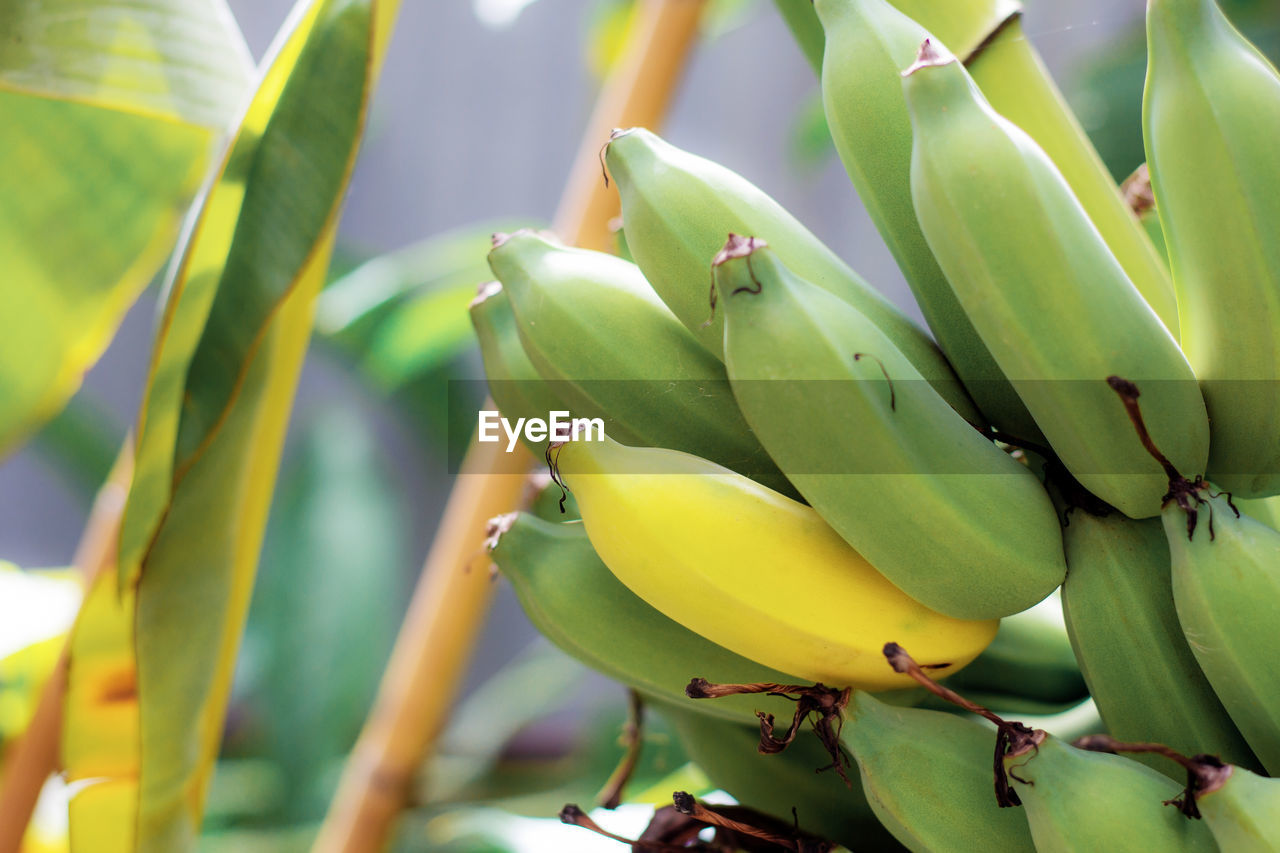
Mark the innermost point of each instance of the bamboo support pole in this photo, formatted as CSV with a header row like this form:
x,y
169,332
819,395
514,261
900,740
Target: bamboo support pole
x,y
454,590
35,756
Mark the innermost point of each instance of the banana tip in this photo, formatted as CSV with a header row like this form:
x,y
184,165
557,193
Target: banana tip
x,y
930,55
497,526
737,246
487,290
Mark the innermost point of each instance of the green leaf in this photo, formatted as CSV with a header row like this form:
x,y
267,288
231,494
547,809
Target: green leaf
x,y
539,681
402,316
229,348
108,115
324,614
82,441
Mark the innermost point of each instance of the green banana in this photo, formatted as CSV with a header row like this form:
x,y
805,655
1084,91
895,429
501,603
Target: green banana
x,y
1044,291
1015,81
868,43
1226,585
572,598
1030,659
514,383
935,506
677,209
927,775
1118,604
591,322
774,784
750,569
1211,120
1241,808
1078,801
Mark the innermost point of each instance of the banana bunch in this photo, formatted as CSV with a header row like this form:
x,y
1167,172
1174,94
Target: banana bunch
x,y
793,474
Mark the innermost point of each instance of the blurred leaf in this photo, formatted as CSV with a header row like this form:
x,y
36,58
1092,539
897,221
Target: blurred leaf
x,y
324,616
272,840
227,357
402,315
607,27
246,791
82,441
427,332
809,144
535,778
541,679
108,114
609,22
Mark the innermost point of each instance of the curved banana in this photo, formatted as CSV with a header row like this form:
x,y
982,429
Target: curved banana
x,y
571,597
1226,586
1045,293
927,775
935,506
1242,810
751,569
1211,118
1118,604
1078,801
591,322
514,383
677,209
1015,81
868,43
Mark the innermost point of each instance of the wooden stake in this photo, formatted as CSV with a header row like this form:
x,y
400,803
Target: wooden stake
x,y
454,591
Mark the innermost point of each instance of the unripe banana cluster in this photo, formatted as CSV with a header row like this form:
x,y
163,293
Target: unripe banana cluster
x,y
795,474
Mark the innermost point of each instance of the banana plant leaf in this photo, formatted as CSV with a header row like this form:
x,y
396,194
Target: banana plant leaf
x,y
109,112
403,315
229,346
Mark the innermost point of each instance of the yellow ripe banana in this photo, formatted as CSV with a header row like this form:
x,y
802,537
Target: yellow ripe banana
x,y
1211,122
751,569
1045,293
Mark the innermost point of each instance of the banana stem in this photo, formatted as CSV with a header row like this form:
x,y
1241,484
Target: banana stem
x,y
452,597
610,797
34,758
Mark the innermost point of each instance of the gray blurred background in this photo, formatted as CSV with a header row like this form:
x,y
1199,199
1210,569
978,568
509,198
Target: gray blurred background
x,y
473,122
